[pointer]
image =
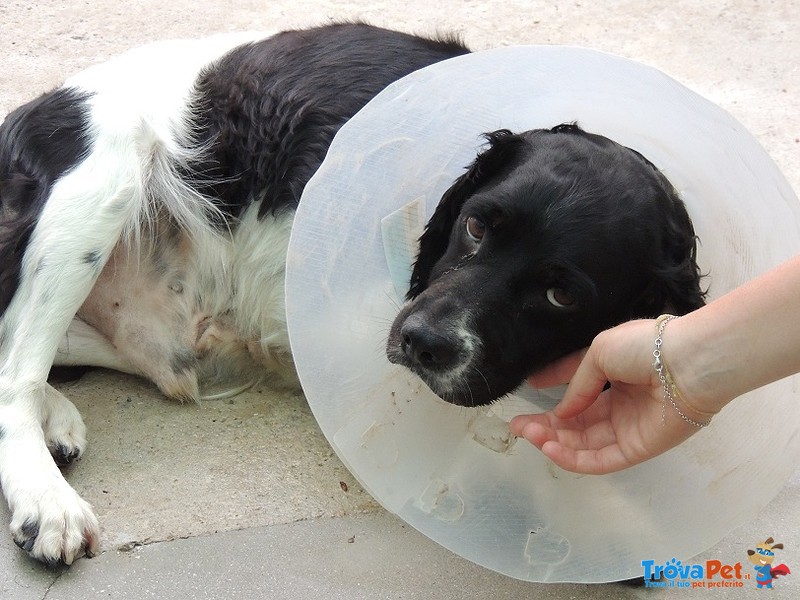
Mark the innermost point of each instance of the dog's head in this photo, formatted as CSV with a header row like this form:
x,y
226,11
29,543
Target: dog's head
x,y
550,237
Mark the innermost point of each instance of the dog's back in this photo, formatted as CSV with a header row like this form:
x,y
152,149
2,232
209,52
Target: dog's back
x,y
234,118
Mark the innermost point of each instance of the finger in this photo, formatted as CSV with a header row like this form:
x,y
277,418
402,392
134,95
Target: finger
x,y
537,432
585,386
518,423
546,419
589,433
558,372
589,462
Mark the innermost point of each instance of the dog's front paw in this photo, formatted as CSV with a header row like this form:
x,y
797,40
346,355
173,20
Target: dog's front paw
x,y
64,430
56,527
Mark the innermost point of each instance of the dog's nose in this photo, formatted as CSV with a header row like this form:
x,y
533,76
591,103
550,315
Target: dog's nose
x,y
426,346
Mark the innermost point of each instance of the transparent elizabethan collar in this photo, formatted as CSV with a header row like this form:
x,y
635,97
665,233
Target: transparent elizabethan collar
x,y
454,473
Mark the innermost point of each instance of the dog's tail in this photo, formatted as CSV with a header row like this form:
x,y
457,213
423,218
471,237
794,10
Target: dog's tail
x,y
165,186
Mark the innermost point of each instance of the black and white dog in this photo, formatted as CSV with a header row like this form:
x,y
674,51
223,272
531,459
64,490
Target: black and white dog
x,y
145,209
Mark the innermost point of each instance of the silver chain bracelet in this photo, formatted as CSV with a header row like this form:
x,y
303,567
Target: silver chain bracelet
x,y
670,389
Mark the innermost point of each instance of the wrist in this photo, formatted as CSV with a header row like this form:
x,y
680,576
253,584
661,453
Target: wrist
x,y
697,417
697,368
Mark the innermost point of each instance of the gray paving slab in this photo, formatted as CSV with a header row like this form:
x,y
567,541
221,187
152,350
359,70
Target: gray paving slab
x,y
366,557
371,558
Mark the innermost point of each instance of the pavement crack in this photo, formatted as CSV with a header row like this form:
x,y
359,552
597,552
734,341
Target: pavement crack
x,y
52,583
133,544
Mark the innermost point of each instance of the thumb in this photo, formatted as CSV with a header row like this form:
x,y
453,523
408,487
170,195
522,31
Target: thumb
x,y
585,386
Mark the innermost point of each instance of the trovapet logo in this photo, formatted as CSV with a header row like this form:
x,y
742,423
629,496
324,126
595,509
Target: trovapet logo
x,y
715,573
762,558
711,574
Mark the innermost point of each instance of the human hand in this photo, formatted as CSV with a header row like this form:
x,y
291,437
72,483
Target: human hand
x,y
595,431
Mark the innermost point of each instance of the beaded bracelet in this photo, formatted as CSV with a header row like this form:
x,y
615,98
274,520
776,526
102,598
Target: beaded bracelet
x,y
671,391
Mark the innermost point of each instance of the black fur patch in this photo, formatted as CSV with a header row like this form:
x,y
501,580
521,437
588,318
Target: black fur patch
x,y
39,142
29,531
91,258
272,108
182,362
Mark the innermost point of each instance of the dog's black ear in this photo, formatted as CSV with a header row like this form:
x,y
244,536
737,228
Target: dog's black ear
x,y
680,281
434,240
676,285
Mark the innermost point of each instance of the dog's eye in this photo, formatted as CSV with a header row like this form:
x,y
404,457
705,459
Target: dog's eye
x,y
560,298
476,229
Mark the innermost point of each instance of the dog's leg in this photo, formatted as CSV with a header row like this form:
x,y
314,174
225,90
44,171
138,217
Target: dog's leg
x,y
48,518
64,431
79,226
84,346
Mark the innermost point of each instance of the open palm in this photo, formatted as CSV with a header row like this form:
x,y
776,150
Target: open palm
x,y
596,431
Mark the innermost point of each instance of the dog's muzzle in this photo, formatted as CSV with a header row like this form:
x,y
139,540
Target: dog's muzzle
x,y
428,348
437,351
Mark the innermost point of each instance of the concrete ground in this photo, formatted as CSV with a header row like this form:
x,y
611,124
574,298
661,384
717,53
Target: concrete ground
x,y
244,498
